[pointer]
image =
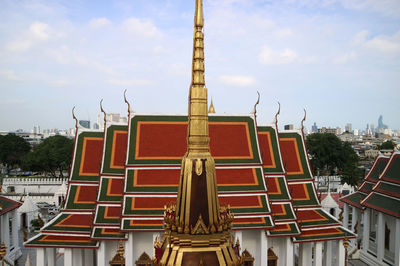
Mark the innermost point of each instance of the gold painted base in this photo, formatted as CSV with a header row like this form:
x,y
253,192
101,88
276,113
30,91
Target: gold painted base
x,y
186,249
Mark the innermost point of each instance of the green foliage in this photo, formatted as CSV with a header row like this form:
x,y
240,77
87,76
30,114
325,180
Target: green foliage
x,y
329,155
387,145
35,223
12,150
52,155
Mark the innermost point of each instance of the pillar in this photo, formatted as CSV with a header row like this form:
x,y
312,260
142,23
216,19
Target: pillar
x,y
317,254
77,256
6,230
380,237
328,253
397,243
366,229
67,257
345,215
41,256
15,228
263,248
88,257
129,259
305,253
340,257
289,252
101,254
51,256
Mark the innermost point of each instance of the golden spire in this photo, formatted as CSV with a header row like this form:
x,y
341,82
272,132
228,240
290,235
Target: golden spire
x,y
211,110
197,211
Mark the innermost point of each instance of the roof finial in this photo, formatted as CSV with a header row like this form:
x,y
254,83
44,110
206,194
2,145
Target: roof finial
x,y
198,17
126,101
255,105
102,110
304,119
74,117
211,110
277,113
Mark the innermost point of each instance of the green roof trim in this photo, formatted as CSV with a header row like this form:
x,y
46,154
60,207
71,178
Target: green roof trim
x,y
98,234
313,201
275,150
284,191
393,172
388,189
293,231
53,226
71,205
108,150
354,199
288,216
342,234
328,220
133,132
102,196
303,160
101,219
75,176
377,170
41,241
383,203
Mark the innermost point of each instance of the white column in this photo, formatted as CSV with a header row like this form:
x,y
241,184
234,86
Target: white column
x,y
289,252
51,256
101,254
88,257
345,215
6,228
366,229
67,257
397,243
263,248
328,259
129,251
77,256
305,254
340,257
41,256
354,218
15,228
317,254
380,237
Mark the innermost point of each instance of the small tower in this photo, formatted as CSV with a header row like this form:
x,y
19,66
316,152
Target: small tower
x,y
211,110
197,229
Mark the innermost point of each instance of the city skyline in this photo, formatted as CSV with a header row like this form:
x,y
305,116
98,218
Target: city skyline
x,y
337,59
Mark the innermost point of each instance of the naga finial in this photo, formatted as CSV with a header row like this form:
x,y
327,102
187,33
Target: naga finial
x,y
74,117
304,119
255,105
126,101
102,110
277,113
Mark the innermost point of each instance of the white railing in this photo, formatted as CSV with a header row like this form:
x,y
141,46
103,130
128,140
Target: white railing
x,y
33,181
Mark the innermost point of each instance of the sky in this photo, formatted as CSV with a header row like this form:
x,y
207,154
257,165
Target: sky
x,y
338,59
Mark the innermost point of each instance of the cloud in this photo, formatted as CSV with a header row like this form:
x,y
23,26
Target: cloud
x,y
235,80
9,74
18,46
99,22
40,31
345,58
384,44
140,27
267,56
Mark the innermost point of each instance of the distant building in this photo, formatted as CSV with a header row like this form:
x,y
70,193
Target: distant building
x,y
289,127
327,130
381,125
314,128
96,126
348,127
85,123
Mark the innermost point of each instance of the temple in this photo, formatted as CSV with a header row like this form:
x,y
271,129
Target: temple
x,y
375,213
202,188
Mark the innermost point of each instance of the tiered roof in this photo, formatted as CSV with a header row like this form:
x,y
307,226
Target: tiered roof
x,y
122,178
381,188
7,205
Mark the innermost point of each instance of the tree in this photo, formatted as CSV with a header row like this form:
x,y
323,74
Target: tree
x,y
329,155
12,150
387,145
51,156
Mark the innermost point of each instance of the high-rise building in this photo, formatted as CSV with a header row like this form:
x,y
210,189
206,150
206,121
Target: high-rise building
x,y
314,128
96,126
288,127
381,125
85,123
349,128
